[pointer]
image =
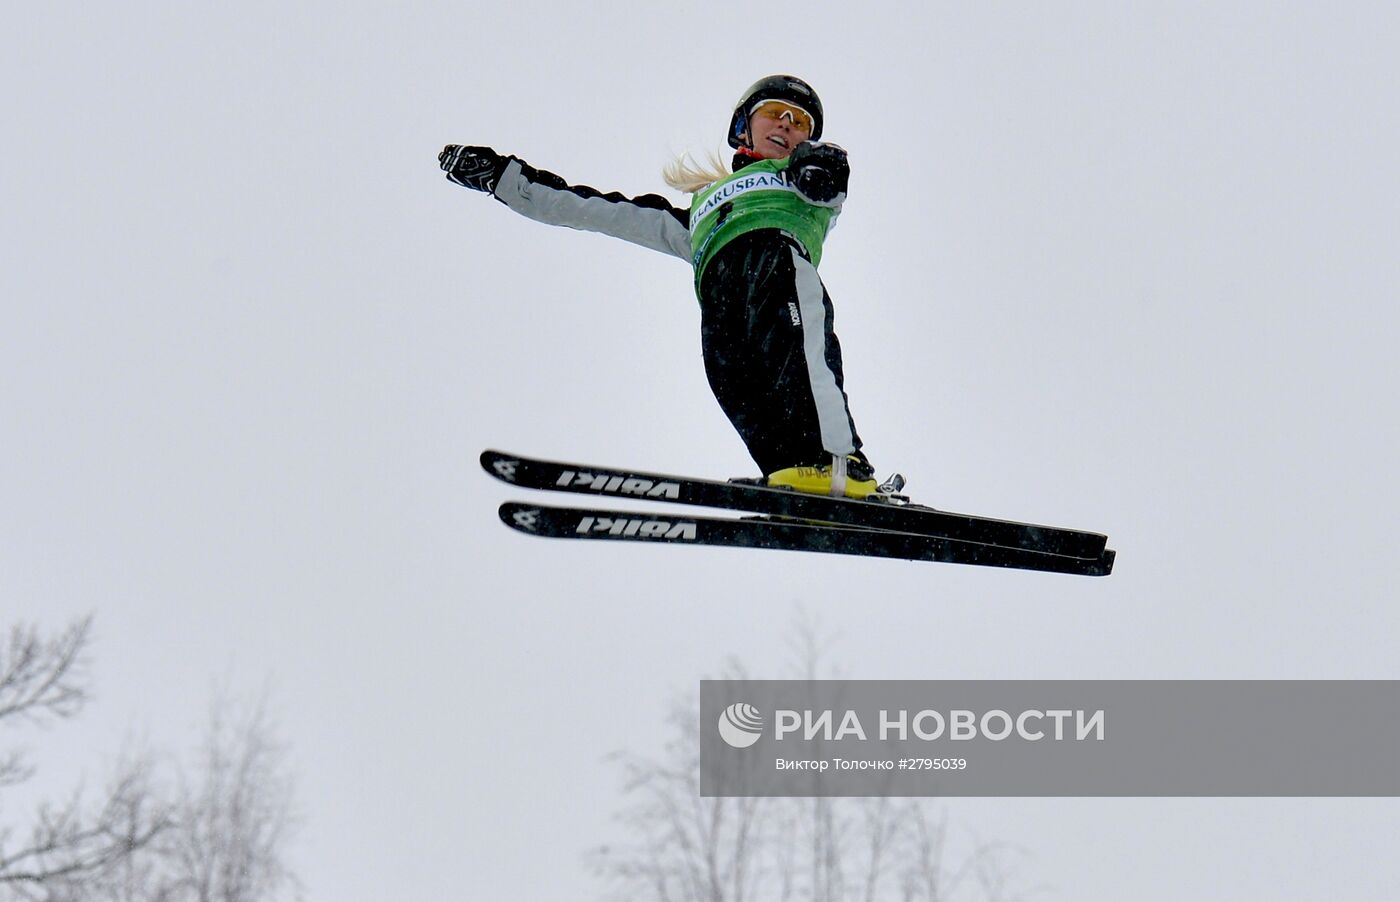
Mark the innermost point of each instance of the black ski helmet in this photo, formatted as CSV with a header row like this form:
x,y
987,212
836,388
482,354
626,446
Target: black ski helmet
x,y
788,88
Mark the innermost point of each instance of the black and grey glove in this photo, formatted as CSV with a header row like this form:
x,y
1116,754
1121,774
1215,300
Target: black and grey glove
x,y
478,168
820,171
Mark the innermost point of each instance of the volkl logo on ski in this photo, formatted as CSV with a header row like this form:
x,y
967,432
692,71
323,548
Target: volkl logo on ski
x,y
619,485
632,526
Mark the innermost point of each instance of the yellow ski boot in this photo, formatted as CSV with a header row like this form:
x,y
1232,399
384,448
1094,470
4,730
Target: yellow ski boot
x,y
848,477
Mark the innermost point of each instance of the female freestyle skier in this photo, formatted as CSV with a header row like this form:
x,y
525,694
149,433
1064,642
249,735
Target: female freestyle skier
x,y
754,237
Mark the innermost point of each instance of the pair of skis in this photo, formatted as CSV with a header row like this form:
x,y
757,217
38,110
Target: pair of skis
x,y
785,520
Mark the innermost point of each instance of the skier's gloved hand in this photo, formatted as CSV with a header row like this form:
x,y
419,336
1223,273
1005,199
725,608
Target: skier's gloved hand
x,y
820,172
478,168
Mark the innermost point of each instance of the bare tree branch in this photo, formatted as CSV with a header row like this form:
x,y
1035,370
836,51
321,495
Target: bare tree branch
x,y
71,848
41,679
13,769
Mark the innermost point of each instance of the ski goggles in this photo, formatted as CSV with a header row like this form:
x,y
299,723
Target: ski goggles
x,y
779,110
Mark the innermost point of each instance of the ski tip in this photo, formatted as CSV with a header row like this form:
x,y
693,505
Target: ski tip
x,y
520,517
500,465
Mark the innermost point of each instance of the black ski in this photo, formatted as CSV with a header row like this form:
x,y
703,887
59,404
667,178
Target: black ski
x,y
882,515
764,532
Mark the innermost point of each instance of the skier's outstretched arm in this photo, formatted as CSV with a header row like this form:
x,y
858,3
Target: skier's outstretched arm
x,y
649,220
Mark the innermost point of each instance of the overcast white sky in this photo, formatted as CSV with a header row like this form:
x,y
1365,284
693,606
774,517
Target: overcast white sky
x,y
1130,267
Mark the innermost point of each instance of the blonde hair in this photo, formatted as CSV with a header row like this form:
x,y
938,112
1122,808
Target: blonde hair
x,y
685,174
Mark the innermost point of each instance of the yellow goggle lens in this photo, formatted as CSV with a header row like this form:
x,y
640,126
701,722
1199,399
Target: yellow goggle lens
x,y
777,109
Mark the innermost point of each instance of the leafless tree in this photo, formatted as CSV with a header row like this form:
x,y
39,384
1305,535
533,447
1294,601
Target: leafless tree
x,y
217,836
688,848
41,681
231,822
44,680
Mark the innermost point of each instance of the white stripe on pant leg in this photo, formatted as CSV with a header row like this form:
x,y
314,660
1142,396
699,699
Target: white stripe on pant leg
x,y
838,475
832,417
